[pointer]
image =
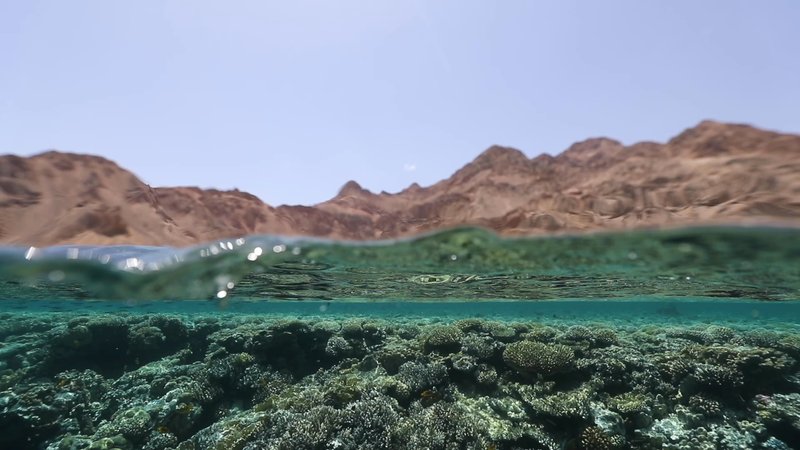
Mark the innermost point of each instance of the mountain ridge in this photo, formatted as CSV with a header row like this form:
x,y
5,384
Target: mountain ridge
x,y
710,173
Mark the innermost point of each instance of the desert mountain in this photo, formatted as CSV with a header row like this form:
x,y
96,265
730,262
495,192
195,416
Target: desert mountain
x,y
711,173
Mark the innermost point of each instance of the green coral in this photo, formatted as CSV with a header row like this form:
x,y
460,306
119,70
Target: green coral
x,y
705,406
117,442
578,333
464,364
500,331
481,347
133,423
467,325
505,420
443,338
338,347
718,379
629,403
594,438
420,376
534,357
574,404
231,433
780,410
541,333
440,425
721,334
486,375
604,337
394,355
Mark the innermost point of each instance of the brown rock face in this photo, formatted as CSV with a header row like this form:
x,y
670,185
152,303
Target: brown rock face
x,y
711,173
55,198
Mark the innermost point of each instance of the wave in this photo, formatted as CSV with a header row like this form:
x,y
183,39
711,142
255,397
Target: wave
x,y
459,264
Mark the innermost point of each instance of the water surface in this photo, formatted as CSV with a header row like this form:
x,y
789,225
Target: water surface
x,y
677,339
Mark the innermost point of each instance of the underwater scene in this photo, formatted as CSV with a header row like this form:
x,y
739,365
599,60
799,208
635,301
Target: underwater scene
x,y
655,339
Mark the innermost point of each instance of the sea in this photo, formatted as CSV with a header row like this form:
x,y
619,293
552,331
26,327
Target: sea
x,y
459,339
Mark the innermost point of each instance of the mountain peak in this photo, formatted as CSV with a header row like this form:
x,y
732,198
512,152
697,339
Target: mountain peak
x,y
709,138
495,158
497,154
413,187
708,123
591,148
67,158
352,188
702,130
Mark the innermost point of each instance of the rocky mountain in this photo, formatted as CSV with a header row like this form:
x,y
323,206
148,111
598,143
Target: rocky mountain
x,y
711,173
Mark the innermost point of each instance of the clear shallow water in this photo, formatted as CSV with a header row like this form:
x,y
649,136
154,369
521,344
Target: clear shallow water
x,y
754,263
740,313
681,339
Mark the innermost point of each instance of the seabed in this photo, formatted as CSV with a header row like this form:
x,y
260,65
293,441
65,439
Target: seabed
x,y
600,374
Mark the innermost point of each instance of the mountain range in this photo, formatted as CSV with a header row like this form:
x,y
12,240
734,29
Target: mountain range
x,y
712,173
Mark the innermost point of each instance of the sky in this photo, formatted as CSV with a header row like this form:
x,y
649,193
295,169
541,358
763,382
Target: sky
x,y
288,100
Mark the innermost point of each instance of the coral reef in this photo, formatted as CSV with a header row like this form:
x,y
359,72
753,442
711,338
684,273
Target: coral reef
x,y
538,358
157,382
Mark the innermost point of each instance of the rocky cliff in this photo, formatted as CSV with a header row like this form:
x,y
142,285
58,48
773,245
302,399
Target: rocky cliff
x,y
711,173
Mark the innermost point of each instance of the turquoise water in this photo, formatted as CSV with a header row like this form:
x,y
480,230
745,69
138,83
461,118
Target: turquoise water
x,y
754,263
677,339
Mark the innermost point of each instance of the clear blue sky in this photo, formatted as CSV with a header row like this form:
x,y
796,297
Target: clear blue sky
x,y
289,100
